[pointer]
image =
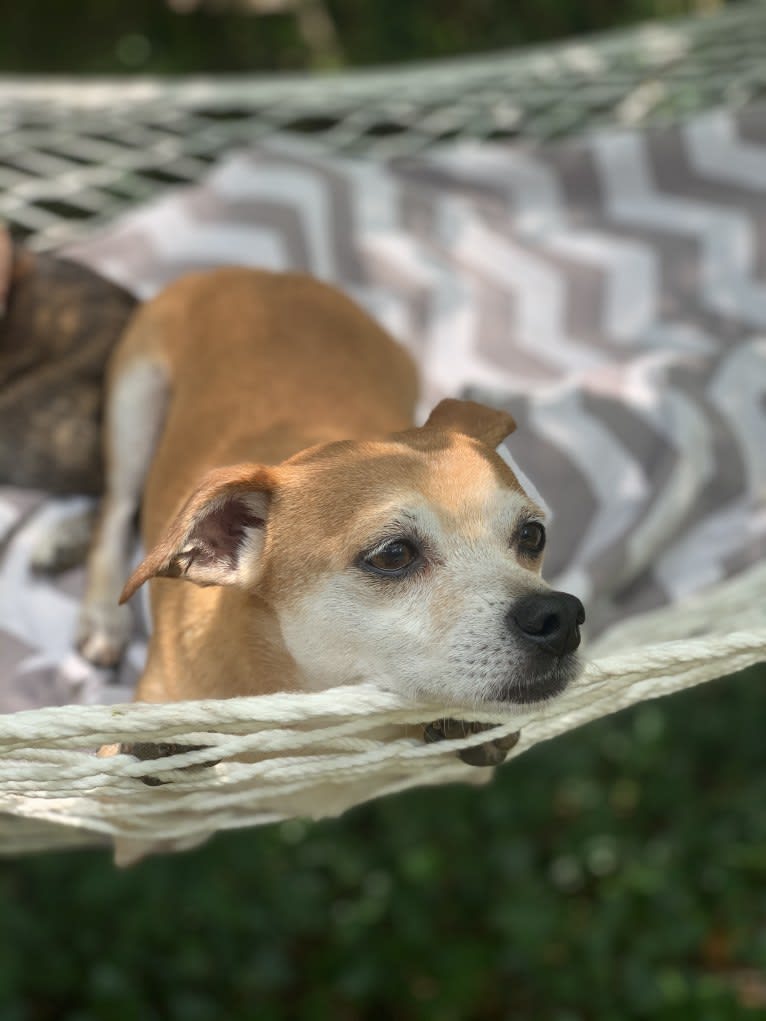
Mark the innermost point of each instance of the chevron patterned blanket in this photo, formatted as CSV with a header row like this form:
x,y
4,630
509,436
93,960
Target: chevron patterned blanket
x,y
609,290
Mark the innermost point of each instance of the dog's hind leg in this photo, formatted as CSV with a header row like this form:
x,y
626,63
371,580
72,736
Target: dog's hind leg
x,y
135,410
66,542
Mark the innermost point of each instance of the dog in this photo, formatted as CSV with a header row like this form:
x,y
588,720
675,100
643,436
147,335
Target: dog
x,y
59,322
323,538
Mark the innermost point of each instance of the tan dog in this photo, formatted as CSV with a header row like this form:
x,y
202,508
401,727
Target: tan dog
x,y
330,542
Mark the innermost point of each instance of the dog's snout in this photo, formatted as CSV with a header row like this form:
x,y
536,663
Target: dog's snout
x,y
551,620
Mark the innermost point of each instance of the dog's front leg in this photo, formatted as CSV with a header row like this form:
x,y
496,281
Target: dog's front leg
x,y
490,754
136,405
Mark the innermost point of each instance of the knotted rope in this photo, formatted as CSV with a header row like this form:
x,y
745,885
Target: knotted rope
x,y
249,761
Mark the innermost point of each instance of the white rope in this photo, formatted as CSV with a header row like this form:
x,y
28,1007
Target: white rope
x,y
313,755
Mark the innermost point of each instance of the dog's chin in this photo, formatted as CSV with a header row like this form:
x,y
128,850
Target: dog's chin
x,y
542,680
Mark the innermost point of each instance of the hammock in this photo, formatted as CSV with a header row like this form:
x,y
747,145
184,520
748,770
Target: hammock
x,y
74,153
105,146
319,754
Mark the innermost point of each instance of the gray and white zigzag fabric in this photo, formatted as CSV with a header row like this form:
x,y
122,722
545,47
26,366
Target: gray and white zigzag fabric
x,y
609,291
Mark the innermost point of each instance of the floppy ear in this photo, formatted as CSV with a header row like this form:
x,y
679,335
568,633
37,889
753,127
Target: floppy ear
x,y
471,419
6,266
218,536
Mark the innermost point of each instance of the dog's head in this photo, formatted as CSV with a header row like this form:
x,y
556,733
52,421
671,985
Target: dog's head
x,y
412,562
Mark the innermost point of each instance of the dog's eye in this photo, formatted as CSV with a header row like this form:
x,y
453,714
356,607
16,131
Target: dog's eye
x,y
532,538
393,558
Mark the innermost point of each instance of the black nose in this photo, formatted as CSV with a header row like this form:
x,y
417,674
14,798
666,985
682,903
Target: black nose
x,y
551,620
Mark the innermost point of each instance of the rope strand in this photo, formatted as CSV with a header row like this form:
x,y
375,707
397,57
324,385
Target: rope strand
x,y
251,761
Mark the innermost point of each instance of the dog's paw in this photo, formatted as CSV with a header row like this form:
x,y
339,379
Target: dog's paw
x,y
63,545
492,753
103,632
161,750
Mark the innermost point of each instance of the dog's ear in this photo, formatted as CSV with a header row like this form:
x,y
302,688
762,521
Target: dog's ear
x,y
6,266
218,536
471,419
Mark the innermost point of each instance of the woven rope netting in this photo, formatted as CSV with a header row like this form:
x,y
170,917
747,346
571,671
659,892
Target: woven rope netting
x,y
74,154
318,754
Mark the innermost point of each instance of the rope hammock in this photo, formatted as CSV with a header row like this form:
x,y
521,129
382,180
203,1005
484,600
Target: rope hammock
x,y
318,754
80,152
75,153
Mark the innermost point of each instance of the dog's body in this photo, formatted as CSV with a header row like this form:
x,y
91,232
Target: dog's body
x,y
59,322
270,422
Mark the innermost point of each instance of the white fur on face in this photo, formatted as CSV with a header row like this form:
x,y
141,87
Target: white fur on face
x,y
440,634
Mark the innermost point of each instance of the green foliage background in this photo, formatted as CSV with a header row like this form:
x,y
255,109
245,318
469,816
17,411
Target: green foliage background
x,y
616,873
107,36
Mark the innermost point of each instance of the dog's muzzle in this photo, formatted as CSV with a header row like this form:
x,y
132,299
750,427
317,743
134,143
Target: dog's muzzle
x,y
546,627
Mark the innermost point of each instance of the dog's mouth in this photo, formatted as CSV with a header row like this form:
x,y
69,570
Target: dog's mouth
x,y
542,680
